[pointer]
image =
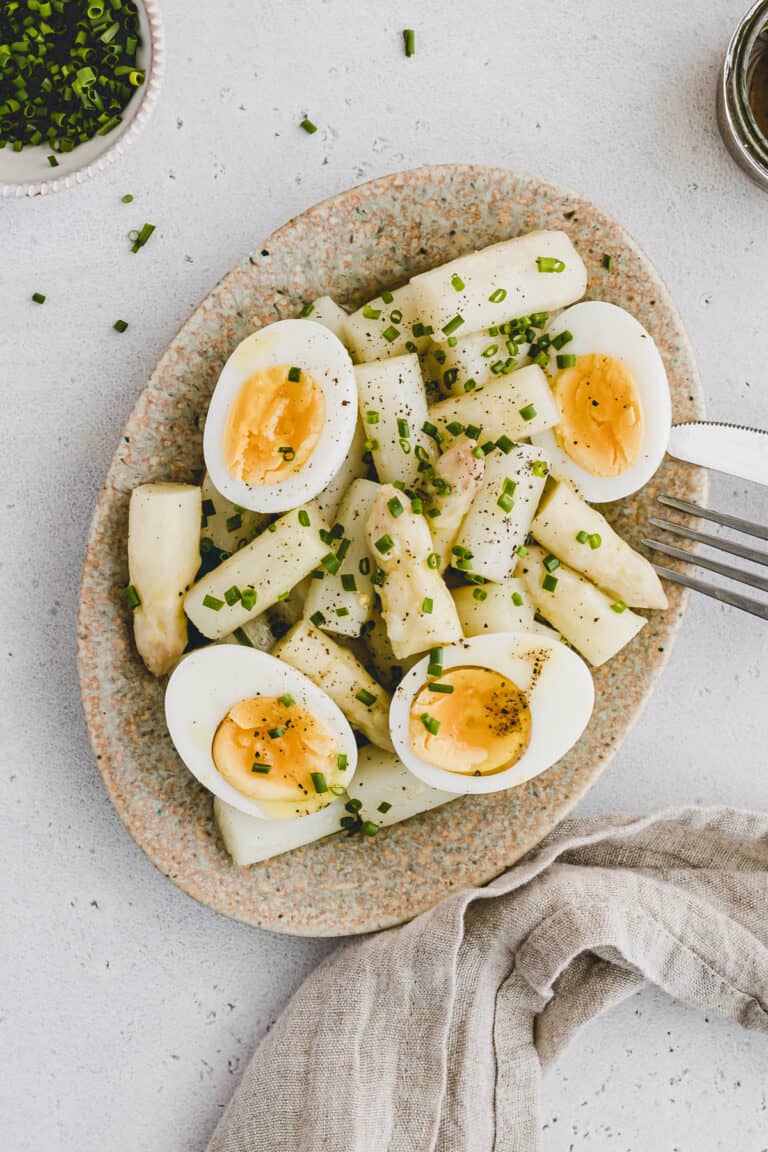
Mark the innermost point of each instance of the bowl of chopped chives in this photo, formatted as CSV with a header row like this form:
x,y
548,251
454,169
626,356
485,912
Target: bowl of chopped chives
x,y
78,81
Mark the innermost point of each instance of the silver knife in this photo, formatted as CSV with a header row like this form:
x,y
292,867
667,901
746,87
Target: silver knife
x,y
728,448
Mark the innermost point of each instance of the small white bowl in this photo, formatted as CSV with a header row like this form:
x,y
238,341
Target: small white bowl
x,y
28,173
561,698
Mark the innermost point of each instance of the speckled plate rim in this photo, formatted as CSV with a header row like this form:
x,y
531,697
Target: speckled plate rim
x,y
429,827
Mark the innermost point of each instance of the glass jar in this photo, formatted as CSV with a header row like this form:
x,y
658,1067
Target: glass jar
x,y
742,134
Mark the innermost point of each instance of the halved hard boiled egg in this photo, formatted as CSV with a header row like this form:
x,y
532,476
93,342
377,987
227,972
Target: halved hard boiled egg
x,y
611,388
282,416
257,733
490,712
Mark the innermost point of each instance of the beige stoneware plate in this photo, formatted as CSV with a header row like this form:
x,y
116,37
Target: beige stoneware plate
x,y
350,247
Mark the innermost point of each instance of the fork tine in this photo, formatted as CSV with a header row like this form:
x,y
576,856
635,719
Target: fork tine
x,y
747,526
720,542
724,595
751,578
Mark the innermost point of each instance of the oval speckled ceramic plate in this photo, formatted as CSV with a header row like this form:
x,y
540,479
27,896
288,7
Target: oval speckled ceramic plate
x,y
350,247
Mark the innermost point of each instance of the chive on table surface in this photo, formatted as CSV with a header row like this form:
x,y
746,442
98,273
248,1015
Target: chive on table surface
x,y
129,1011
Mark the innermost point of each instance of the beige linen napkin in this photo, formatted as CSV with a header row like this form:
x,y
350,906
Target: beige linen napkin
x,y
433,1036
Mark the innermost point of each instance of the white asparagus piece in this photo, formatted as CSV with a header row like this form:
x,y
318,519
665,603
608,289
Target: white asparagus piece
x,y
328,596
463,471
365,331
497,408
341,675
411,585
163,559
327,312
270,566
493,608
381,778
385,664
327,501
578,610
250,839
489,531
470,363
228,527
614,566
393,390
500,283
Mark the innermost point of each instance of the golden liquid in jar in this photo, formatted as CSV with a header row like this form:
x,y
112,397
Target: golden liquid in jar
x,y
757,83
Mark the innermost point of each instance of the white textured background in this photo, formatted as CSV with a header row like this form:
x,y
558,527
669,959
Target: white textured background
x,y
127,1011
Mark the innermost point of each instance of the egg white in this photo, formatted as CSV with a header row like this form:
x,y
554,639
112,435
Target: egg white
x,y
560,701
598,327
317,351
208,682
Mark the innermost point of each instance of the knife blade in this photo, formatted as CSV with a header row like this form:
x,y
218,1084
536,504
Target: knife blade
x,y
731,448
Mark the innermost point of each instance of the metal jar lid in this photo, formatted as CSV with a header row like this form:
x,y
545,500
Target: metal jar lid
x,y
739,129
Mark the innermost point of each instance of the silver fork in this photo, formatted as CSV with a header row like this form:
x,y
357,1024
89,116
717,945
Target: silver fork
x,y
722,544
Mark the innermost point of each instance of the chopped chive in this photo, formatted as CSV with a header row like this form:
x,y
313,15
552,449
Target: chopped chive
x,y
390,334
364,566
549,264
142,237
549,583
453,325
242,638
517,600
294,374
455,428
275,733
445,689
403,429
248,598
365,697
410,346
371,313
539,468
490,351
457,282
395,315
213,602
429,429
551,562
607,261
370,827
120,325
566,360
331,563
521,551
538,319
472,432
619,606
353,805
371,417
53,162
372,445
387,296
582,537
319,781
384,544
287,700
420,330
234,522
432,726
262,769
318,619
232,595
409,41
342,762
337,789
308,126
417,505
562,339
595,540
450,376
433,513
38,297
349,823
307,310
470,385
304,518
283,596
427,606
505,444
378,577
479,594
384,807
433,560
342,611
541,358
395,508
131,596
529,412
505,502
348,582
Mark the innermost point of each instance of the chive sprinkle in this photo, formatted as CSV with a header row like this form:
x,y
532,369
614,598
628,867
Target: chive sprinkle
x,y
387,296
262,769
127,199
371,417
365,697
582,537
551,563
304,518
453,325
38,298
234,522
53,162
131,597
549,583
539,468
384,543
562,339
275,733
308,126
306,311
142,236
342,611
287,700
479,594
608,265
342,762
348,582
331,563
370,827
390,334
409,41
595,540
427,606
294,375
566,360
319,781
433,560
457,282
529,412
549,264
384,807
120,325
213,603
403,428
498,296
517,600
353,805
232,595
371,313
444,689
619,606
248,598
432,726
317,619
521,551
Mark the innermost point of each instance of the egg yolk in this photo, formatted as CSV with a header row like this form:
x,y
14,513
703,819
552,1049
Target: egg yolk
x,y
274,751
601,418
482,726
274,425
